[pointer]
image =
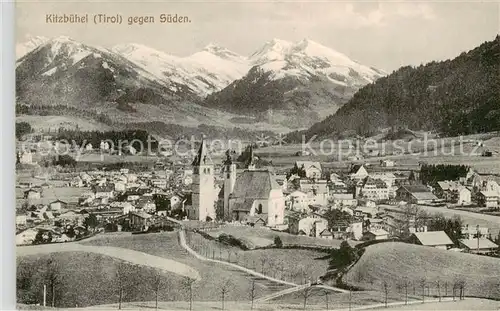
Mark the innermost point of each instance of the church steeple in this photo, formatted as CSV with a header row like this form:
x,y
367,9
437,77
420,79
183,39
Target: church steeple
x,y
202,157
250,163
203,196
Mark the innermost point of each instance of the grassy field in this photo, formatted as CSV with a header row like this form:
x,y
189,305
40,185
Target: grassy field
x,y
213,275
262,237
468,304
446,150
396,263
86,279
294,265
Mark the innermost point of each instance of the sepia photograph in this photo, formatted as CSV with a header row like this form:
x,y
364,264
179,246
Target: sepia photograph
x,y
257,155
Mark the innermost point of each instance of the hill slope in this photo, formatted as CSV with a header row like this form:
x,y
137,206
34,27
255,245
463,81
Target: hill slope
x,y
395,262
459,96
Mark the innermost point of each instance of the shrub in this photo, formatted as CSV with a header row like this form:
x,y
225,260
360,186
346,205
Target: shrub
x,y
277,242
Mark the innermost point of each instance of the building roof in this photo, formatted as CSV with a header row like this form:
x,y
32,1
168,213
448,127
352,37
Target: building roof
x,y
255,184
202,157
308,164
483,243
141,214
415,188
325,232
424,196
433,238
490,193
378,232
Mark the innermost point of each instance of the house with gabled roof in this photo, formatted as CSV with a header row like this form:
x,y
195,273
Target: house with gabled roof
x,y
416,194
311,168
436,239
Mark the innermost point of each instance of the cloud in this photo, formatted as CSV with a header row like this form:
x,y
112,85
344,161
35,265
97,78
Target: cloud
x,y
387,13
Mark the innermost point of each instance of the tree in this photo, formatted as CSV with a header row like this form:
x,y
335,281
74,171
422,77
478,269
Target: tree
x,y
277,242
91,222
306,293
253,293
22,128
64,160
121,275
224,289
423,282
385,287
53,277
157,283
188,284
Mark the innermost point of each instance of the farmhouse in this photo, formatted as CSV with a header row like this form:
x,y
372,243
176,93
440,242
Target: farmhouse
x,y
478,246
436,239
488,198
57,205
378,234
32,194
416,194
358,172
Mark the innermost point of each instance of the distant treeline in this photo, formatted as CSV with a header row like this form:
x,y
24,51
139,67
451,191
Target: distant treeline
x,y
430,174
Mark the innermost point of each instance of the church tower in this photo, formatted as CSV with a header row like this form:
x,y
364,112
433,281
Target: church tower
x,y
229,181
250,163
203,186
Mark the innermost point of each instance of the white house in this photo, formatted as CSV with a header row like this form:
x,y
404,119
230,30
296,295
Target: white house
x,y
312,169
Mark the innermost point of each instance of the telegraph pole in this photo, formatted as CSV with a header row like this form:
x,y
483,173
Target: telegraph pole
x,y
44,295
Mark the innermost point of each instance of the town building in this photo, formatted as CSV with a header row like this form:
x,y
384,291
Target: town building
x,y
312,169
436,239
416,194
203,199
478,246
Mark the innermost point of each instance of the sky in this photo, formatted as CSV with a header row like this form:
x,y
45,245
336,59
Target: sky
x,y
385,35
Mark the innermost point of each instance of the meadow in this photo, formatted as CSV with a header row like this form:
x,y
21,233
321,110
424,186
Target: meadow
x,y
293,265
213,275
86,279
396,263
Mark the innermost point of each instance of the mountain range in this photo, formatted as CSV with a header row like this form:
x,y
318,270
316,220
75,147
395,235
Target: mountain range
x,y
133,83
454,97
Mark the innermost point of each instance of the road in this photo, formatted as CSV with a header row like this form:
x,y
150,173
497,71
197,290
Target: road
x,y
128,255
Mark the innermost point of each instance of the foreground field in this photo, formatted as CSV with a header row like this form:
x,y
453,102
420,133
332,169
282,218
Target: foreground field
x,y
213,275
467,304
130,256
294,265
397,263
87,279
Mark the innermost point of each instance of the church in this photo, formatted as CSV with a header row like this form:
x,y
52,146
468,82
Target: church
x,y
252,193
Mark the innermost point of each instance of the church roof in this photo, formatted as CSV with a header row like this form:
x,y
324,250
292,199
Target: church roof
x,y
255,184
202,157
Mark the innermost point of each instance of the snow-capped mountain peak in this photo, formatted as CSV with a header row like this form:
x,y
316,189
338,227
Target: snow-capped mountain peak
x,y
29,44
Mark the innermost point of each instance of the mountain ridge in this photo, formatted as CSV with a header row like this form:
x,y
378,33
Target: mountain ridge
x,y
456,96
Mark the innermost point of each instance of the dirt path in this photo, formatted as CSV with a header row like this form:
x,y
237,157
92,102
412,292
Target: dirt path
x,y
128,255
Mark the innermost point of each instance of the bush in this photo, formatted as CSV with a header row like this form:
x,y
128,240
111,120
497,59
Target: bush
x,y
277,242
231,240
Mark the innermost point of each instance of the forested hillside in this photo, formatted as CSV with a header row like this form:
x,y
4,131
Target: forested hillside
x,y
459,96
